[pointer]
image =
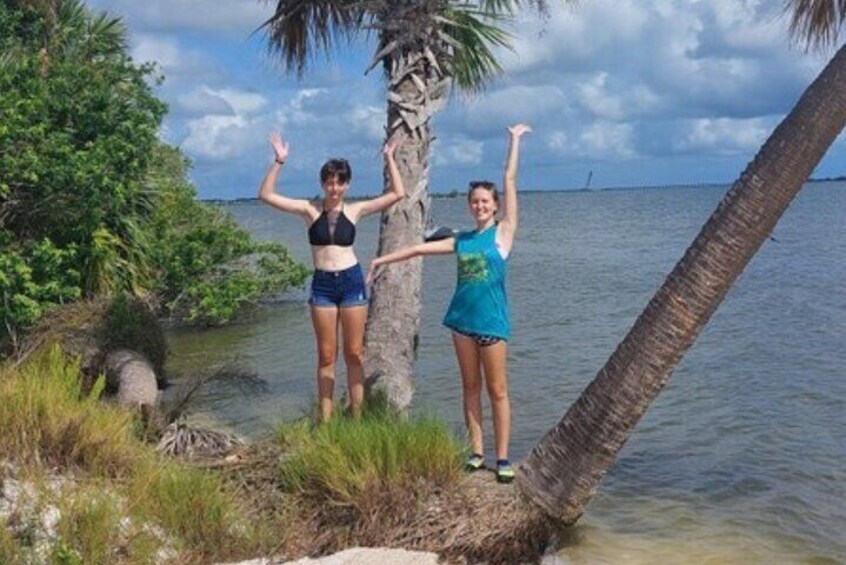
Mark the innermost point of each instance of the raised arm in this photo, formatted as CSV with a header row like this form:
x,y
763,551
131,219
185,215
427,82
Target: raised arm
x,y
397,189
267,190
439,247
508,223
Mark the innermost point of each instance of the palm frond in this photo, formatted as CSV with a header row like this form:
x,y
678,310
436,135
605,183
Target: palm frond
x,y
816,23
473,37
106,36
301,28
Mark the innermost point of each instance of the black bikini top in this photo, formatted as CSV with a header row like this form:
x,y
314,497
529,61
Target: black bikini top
x,y
321,232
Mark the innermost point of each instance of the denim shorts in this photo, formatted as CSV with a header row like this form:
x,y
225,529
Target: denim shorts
x,y
338,288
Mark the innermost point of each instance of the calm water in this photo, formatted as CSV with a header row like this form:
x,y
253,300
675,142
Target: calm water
x,y
741,459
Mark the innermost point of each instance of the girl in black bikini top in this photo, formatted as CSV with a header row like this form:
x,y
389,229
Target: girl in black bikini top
x,y
328,230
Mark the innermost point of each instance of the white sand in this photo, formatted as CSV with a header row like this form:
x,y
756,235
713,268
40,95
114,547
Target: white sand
x,y
359,556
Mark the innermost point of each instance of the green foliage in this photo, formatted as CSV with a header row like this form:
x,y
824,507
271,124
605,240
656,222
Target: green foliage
x,y
33,277
131,324
91,202
79,121
208,266
353,462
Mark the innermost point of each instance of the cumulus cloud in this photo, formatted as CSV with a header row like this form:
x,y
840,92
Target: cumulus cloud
x,y
457,151
725,135
202,101
217,137
607,140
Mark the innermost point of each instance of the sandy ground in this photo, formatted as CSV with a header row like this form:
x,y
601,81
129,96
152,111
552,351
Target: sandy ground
x,y
359,556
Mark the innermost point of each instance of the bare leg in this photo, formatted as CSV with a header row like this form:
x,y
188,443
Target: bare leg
x,y
494,363
325,321
467,352
353,319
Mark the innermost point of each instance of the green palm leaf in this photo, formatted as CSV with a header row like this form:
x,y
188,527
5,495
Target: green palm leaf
x,y
474,63
300,28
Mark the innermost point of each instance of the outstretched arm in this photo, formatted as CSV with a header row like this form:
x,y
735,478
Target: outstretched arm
x,y
440,247
397,189
267,189
508,224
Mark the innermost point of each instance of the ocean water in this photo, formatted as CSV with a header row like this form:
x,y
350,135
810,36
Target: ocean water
x,y
741,459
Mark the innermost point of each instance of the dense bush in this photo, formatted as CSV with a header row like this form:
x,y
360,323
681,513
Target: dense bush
x,y
207,266
91,202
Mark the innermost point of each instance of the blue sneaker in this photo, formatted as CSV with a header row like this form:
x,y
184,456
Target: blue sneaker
x,y
504,472
474,462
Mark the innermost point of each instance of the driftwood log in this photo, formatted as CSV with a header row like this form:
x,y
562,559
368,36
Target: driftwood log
x,y
132,376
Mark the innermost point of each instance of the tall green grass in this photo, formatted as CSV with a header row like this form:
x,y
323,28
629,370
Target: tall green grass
x,y
48,423
46,419
89,528
348,461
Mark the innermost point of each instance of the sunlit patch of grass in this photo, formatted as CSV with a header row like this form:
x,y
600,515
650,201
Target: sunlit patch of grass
x,y
89,527
348,461
9,547
47,420
126,502
191,505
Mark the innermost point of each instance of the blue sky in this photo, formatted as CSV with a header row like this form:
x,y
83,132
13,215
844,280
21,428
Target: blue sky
x,y
641,92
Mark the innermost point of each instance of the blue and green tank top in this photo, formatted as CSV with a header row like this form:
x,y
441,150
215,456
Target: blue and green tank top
x,y
479,305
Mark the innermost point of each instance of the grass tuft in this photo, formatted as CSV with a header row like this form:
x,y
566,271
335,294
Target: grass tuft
x,y
349,461
192,505
88,528
46,419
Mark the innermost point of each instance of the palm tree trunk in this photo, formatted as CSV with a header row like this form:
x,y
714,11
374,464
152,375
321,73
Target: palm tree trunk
x,y
416,91
394,318
562,472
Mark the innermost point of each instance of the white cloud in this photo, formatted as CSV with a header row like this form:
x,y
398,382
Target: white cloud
x,y
216,137
510,104
607,140
162,50
369,121
725,136
242,102
601,140
594,95
457,151
557,141
206,100
203,101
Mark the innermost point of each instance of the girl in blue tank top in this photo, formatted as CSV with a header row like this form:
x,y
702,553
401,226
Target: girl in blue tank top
x,y
478,311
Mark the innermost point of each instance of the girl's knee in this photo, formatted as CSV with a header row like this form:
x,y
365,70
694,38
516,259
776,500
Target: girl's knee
x,y
353,357
326,363
498,393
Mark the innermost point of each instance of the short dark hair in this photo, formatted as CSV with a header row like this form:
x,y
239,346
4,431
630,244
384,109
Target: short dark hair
x,y
339,168
485,184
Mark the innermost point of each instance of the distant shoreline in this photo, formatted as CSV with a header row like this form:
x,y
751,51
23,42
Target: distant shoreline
x,y
458,193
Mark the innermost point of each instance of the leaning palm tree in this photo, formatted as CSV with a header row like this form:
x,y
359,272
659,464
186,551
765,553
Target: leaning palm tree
x,y
424,47
562,472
